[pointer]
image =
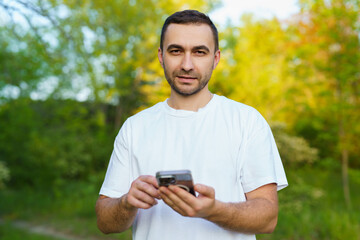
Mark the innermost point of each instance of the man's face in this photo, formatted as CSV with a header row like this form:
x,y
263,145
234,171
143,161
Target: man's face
x,y
188,57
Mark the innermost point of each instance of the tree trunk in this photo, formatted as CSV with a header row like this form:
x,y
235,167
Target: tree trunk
x,y
345,176
343,149
118,116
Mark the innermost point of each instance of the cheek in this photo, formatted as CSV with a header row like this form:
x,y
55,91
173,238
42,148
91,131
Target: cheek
x,y
207,66
170,65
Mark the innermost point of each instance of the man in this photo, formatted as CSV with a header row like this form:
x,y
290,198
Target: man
x,y
228,147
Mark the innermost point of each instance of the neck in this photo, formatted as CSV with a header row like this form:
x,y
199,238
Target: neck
x,y
192,102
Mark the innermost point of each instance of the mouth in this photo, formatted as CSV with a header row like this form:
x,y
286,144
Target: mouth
x,y
186,78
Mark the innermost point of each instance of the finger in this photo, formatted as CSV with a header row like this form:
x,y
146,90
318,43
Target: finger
x,y
150,180
137,203
205,190
144,197
164,195
146,186
177,199
179,211
153,182
184,195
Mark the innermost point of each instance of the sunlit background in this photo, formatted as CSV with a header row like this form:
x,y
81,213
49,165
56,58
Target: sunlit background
x,y
72,71
231,10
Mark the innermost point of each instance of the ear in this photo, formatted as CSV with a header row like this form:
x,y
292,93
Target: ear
x,y
160,57
216,58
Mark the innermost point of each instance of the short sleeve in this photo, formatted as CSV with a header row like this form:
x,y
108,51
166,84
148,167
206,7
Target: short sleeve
x,y
261,163
117,176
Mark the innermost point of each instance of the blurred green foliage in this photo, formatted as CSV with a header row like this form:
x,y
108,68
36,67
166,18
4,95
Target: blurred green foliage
x,y
9,232
312,207
4,174
57,141
72,71
295,151
54,141
63,51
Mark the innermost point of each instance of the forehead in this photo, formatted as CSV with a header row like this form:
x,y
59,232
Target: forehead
x,y
189,35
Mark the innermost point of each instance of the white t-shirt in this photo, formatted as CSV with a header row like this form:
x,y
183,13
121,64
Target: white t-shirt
x,y
226,145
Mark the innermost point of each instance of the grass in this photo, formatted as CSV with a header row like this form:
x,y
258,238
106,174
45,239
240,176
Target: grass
x,y
71,211
312,207
8,232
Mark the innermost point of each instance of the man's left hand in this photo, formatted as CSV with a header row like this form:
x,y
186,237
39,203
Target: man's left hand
x,y
187,204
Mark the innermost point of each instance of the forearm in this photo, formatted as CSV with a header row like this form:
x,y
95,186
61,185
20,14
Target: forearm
x,y
114,215
253,216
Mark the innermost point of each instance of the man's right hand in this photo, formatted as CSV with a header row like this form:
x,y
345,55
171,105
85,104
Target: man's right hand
x,y
118,214
143,193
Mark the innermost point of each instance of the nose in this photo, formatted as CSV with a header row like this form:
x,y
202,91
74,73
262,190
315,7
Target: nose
x,y
187,62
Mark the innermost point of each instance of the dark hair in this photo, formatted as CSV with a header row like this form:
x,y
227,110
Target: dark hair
x,y
189,17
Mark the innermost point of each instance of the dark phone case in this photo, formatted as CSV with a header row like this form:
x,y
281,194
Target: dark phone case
x,y
183,179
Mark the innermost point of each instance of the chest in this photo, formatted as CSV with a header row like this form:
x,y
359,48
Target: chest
x,y
208,148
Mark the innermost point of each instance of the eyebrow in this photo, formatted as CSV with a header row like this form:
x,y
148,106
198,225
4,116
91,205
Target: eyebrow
x,y
174,46
200,47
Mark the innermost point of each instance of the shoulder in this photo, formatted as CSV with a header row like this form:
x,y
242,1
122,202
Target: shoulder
x,y
247,116
237,108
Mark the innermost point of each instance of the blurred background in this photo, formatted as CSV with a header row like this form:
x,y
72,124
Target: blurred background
x,y
72,71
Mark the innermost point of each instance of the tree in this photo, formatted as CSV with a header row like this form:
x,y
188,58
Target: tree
x,y
254,68
26,58
328,36
101,51
4,174
120,51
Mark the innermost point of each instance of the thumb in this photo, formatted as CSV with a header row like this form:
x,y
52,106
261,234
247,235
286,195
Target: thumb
x,y
204,190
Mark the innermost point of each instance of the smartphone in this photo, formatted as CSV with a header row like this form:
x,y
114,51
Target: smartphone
x,y
180,178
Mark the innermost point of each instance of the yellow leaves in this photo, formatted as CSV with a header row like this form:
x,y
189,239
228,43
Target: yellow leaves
x,y
110,94
171,6
279,67
255,67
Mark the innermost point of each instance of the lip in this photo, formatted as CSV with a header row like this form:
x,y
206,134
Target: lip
x,y
186,79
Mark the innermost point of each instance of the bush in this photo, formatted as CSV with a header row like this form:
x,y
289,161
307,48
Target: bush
x,y
4,174
294,150
46,143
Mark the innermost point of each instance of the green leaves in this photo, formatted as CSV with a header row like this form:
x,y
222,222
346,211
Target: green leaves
x,y
303,71
53,141
4,174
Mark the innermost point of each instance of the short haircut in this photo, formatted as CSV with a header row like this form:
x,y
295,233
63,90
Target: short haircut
x,y
189,17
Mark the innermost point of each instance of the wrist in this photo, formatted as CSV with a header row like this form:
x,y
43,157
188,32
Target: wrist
x,y
126,204
215,211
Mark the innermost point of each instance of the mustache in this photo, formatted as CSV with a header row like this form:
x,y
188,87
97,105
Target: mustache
x,y
190,73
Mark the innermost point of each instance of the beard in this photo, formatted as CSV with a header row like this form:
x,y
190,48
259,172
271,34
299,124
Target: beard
x,y
181,89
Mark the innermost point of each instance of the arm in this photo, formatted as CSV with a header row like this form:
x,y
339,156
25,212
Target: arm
x,y
114,214
257,215
117,214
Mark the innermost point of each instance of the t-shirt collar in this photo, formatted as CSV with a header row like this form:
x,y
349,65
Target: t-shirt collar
x,y
188,113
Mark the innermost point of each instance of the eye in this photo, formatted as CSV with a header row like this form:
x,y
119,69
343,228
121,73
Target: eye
x,y
175,51
200,52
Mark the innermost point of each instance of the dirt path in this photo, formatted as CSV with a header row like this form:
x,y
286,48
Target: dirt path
x,y
48,231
